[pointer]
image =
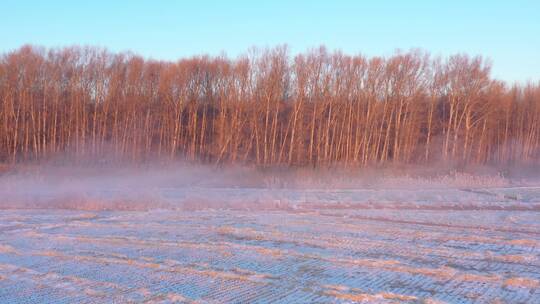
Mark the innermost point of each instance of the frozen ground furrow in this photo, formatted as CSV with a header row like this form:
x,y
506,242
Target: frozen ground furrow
x,y
305,247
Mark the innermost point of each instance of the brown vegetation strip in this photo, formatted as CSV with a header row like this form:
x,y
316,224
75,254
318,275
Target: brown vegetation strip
x,y
385,219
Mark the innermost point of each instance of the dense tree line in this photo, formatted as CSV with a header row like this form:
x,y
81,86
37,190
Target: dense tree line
x,y
266,108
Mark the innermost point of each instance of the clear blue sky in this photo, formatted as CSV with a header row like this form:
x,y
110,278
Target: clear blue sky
x,y
507,32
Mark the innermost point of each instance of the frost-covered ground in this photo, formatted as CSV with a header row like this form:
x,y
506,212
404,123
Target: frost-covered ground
x,y
252,245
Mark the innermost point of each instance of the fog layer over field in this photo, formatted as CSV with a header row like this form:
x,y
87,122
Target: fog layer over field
x,y
182,186
240,235
192,234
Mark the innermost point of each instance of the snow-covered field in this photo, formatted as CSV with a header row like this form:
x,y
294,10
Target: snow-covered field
x,y
255,245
